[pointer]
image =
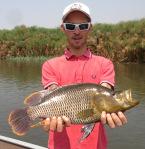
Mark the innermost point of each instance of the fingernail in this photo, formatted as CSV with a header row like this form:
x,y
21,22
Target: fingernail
x,y
59,118
119,124
53,117
47,119
103,112
112,126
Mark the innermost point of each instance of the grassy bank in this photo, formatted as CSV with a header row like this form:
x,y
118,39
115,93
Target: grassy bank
x,y
28,59
122,42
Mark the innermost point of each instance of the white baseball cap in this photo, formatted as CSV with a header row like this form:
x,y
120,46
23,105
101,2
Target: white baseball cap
x,y
76,7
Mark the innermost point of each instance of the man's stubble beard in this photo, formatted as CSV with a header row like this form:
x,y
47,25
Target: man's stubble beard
x,y
80,46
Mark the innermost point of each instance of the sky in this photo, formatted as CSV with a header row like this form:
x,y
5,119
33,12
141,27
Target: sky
x,y
48,13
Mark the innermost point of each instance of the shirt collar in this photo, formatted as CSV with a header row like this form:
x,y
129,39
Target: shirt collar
x,y
69,55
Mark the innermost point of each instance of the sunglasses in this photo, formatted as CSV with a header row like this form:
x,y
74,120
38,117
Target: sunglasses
x,y
72,27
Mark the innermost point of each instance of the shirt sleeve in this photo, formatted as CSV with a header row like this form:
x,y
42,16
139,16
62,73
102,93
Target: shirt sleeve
x,y
107,72
48,75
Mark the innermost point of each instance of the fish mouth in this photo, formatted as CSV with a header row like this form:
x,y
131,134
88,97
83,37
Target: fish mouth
x,y
132,104
135,102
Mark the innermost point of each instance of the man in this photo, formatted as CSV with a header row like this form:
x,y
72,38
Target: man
x,y
78,65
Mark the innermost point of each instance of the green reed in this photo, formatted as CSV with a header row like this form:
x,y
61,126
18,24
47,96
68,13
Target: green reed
x,y
122,42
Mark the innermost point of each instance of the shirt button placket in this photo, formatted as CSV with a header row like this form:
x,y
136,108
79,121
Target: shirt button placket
x,y
79,71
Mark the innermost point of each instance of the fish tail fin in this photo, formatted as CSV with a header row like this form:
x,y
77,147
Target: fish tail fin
x,y
19,121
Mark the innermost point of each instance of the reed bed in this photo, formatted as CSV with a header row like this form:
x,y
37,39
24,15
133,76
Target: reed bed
x,y
122,42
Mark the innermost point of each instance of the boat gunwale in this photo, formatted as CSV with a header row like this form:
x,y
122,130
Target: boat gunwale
x,y
20,143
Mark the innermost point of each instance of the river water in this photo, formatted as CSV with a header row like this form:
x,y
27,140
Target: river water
x,y
17,80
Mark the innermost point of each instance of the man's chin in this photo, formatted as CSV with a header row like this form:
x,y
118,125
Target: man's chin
x,y
77,47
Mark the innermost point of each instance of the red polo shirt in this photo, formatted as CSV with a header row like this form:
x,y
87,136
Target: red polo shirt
x,y
69,69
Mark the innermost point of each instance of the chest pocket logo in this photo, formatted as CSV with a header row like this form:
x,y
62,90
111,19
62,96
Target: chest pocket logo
x,y
93,76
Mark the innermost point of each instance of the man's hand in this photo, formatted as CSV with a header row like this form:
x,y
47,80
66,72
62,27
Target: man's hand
x,y
56,123
113,119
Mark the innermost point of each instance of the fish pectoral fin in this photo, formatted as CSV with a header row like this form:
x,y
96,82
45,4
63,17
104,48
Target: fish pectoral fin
x,y
36,125
35,98
40,123
86,130
85,113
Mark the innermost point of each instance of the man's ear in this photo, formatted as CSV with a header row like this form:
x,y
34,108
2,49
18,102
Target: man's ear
x,y
62,28
91,26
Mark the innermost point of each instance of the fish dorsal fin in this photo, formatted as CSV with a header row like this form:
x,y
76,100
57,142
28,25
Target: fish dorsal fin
x,y
36,98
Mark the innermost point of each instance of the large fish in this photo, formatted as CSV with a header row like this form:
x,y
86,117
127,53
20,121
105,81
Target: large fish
x,y
83,103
